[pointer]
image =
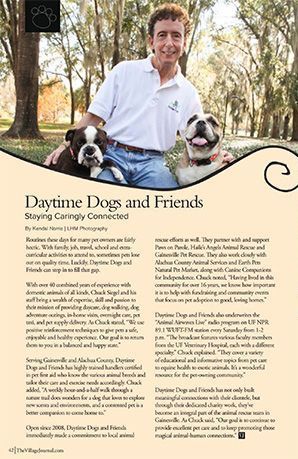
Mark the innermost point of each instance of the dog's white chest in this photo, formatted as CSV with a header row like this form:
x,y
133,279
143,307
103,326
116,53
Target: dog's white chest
x,y
194,173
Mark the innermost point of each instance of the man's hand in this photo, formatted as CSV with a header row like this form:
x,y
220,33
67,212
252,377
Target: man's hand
x,y
227,157
54,156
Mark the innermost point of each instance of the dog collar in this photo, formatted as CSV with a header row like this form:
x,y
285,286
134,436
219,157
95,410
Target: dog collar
x,y
203,162
72,153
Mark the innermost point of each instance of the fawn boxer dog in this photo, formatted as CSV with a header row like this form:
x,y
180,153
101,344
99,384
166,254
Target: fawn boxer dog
x,y
202,154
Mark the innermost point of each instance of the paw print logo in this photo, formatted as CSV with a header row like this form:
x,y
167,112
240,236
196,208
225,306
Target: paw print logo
x,y
43,17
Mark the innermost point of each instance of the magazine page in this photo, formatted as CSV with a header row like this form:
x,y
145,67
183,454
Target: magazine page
x,y
149,268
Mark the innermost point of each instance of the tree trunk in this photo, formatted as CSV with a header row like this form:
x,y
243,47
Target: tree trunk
x,y
252,128
72,100
98,41
295,76
264,124
285,132
295,124
232,129
252,116
225,114
183,63
25,124
194,12
237,127
246,125
117,33
87,89
265,112
143,49
275,131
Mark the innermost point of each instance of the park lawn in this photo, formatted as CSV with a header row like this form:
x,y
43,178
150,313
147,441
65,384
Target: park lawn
x,y
37,150
5,123
34,150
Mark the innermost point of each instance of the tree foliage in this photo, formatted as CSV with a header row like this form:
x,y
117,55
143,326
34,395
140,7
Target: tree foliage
x,y
275,27
53,101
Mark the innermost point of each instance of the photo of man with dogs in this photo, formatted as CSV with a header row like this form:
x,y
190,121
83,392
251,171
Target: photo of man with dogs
x,y
136,117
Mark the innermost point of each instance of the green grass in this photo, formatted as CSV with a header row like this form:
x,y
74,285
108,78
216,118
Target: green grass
x,y
5,123
37,150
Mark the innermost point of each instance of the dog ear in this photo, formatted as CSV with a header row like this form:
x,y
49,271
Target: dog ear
x,y
193,118
104,136
214,121
70,134
104,139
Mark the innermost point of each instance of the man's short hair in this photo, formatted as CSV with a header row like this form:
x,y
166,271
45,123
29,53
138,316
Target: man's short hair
x,y
169,11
